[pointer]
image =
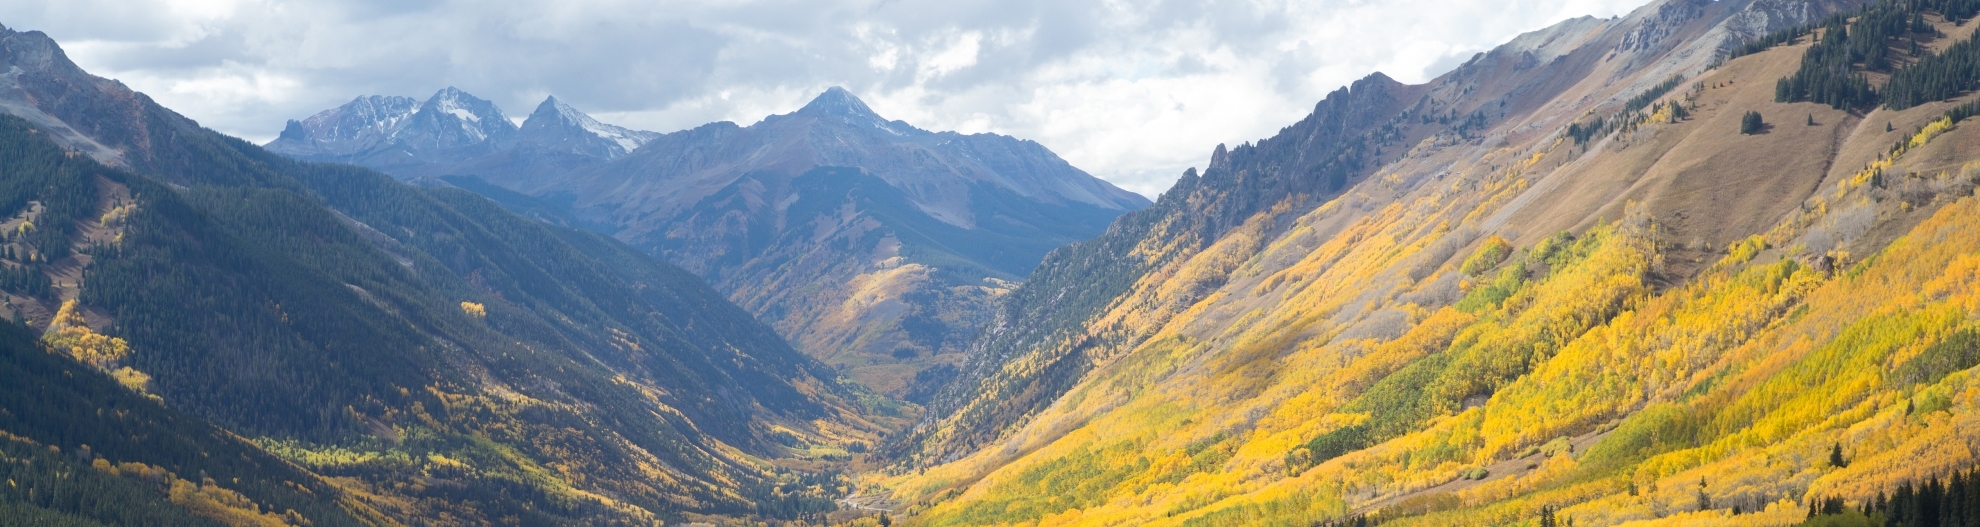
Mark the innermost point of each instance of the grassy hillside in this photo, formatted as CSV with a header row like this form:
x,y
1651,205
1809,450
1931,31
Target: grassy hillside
x,y
1597,300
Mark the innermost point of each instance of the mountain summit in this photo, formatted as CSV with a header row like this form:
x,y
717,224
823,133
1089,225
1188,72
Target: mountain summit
x,y
559,127
362,123
838,103
451,120
397,135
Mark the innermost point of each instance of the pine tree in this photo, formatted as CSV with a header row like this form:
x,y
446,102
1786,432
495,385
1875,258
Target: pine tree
x,y
1751,123
1704,500
1836,456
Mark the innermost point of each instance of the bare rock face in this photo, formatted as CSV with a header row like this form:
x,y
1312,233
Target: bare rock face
x,y
365,123
398,135
82,112
556,126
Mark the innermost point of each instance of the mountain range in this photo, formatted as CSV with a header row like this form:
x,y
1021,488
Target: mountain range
x,y
1709,263
870,244
355,350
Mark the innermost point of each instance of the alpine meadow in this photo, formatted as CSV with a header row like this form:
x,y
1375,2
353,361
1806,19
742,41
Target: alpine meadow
x,y
1707,263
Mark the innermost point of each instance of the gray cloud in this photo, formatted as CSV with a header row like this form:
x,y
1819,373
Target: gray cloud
x,y
1131,90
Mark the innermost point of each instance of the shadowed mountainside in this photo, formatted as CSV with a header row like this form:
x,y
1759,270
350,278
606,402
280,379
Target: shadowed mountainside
x,y
437,357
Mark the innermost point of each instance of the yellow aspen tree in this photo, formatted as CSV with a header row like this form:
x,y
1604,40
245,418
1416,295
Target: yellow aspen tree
x,y
70,332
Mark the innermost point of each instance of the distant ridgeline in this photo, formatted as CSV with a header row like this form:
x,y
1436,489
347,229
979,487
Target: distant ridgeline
x,y
870,244
368,352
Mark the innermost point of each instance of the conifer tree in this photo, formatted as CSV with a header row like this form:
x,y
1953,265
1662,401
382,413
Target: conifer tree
x,y
1704,500
1751,123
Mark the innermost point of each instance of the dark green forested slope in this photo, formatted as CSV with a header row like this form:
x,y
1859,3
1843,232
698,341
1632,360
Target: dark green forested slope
x,y
61,417
1882,37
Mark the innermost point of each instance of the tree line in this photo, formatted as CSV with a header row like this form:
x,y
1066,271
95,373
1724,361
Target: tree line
x,y
1867,39
1951,502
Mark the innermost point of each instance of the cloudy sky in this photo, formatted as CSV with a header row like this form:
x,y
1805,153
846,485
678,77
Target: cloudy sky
x,y
1133,91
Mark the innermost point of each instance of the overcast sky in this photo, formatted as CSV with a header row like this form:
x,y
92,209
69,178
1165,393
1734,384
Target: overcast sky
x,y
1133,91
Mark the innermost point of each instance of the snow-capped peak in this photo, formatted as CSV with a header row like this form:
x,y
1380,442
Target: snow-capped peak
x,y
362,123
553,121
477,119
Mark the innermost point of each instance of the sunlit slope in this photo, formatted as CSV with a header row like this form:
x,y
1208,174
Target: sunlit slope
x,y
1502,113
1390,143
1505,318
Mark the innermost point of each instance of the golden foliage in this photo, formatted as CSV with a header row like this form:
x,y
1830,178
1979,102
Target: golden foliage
x,y
70,332
1664,405
136,381
474,309
1930,131
205,498
118,215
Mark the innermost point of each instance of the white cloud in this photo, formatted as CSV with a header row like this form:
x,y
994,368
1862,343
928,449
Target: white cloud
x,y
1133,91
960,53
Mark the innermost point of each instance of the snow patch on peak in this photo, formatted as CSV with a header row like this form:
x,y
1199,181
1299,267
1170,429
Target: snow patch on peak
x,y
356,125
477,119
452,106
614,134
553,113
566,112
